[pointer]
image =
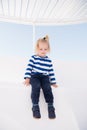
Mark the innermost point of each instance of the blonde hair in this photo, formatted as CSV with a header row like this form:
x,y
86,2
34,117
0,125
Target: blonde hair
x,y
44,39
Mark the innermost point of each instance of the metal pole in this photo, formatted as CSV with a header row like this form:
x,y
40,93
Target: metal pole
x,y
33,35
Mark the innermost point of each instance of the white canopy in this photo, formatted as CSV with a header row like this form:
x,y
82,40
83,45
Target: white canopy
x,y
43,12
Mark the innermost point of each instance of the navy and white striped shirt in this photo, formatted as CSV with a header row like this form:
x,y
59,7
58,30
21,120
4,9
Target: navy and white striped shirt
x,y
41,65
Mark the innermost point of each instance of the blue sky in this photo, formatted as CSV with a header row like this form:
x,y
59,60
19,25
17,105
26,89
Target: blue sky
x,y
67,42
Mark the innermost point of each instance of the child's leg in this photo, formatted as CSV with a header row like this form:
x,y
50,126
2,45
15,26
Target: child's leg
x,y
35,84
47,90
35,89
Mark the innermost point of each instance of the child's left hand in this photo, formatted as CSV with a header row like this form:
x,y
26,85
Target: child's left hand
x,y
55,85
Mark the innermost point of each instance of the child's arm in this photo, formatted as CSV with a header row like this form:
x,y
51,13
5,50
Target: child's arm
x,y
28,72
52,76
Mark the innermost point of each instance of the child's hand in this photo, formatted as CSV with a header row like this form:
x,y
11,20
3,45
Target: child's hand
x,y
55,85
27,82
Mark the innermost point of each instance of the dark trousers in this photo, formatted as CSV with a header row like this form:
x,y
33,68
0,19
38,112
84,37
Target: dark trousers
x,y
39,81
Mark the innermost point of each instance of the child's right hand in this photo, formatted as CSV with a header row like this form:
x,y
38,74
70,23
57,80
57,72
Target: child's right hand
x,y
27,82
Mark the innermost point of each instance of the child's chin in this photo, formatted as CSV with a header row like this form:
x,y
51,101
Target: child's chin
x,y
43,55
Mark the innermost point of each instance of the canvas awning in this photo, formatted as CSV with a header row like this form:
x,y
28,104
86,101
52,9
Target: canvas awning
x,y
43,12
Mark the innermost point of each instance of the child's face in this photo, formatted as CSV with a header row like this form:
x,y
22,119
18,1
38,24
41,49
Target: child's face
x,y
42,49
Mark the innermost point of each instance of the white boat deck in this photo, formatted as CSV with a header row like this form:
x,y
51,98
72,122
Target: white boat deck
x,y
70,97
16,114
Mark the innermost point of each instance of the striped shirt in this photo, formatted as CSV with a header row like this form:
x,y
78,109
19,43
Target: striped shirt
x,y
42,65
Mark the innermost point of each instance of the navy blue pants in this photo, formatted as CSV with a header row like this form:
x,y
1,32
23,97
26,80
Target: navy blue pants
x,y
39,81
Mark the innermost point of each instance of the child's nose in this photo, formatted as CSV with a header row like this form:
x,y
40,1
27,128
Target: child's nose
x,y
43,50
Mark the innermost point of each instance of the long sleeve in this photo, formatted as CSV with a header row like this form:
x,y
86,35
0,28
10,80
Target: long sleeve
x,y
29,69
52,75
